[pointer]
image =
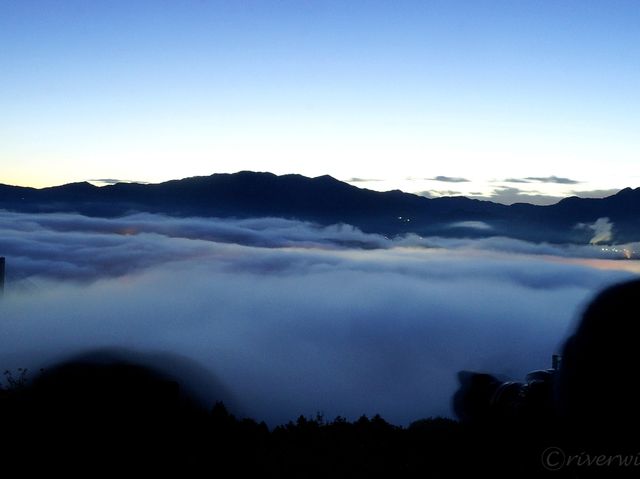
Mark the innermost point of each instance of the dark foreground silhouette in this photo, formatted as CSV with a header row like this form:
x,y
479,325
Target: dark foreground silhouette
x,y
102,414
579,420
90,416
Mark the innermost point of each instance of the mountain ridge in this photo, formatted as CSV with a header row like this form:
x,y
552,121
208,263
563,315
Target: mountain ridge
x,y
326,200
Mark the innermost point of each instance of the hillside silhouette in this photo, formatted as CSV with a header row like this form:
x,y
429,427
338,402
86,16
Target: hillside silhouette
x,y
325,200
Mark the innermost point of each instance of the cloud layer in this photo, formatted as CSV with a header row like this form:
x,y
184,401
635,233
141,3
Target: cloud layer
x,y
450,179
543,179
289,317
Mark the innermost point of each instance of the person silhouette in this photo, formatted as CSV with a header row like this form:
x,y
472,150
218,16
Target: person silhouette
x,y
597,391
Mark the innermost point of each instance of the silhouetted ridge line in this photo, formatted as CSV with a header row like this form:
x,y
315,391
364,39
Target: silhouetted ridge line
x,y
325,200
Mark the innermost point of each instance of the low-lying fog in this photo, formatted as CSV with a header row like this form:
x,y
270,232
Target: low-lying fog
x,y
289,318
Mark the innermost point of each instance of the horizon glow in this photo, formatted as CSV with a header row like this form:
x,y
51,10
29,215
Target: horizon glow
x,y
396,93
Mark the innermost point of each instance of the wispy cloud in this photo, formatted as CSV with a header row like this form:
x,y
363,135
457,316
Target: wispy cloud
x,y
514,180
595,193
113,181
355,179
602,230
449,179
438,193
553,179
476,225
509,195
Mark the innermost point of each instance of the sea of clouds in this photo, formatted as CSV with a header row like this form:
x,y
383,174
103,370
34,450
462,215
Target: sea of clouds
x,y
290,318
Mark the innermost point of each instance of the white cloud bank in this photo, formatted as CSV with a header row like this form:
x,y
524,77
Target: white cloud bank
x,y
289,317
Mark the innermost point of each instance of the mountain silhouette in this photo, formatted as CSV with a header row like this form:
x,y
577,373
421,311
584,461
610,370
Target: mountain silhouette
x,y
325,200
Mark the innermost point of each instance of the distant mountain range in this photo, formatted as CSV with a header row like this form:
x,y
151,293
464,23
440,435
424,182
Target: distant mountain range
x,y
325,200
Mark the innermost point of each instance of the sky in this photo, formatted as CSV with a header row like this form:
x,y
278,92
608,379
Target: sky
x,y
493,99
281,318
